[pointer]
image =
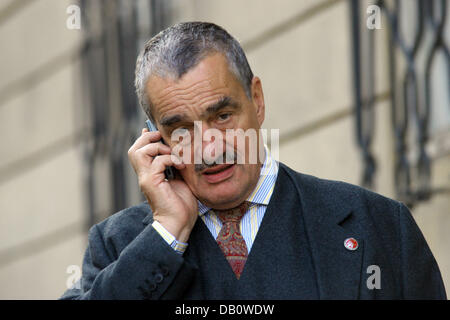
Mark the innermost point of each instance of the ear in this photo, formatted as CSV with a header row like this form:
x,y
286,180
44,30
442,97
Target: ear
x,y
258,99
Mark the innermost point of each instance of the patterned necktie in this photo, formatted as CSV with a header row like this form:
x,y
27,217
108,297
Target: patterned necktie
x,y
230,239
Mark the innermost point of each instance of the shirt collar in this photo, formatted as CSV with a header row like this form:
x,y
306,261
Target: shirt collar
x,y
264,188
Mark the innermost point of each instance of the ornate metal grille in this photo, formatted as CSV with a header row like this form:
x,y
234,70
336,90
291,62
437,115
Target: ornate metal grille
x,y
114,32
410,89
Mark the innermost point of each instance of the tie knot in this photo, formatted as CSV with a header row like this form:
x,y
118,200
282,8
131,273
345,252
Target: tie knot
x,y
234,214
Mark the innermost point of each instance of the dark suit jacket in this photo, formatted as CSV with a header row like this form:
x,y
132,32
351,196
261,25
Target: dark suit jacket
x,y
298,253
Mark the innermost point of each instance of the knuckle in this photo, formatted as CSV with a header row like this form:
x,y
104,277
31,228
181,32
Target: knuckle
x,y
157,160
149,135
160,160
138,152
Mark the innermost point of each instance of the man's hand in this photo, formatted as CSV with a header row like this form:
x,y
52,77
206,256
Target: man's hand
x,y
172,202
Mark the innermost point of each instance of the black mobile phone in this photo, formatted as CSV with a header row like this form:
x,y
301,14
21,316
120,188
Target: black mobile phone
x,y
169,172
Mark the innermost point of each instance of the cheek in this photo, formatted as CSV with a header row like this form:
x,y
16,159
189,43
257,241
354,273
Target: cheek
x,y
248,119
188,174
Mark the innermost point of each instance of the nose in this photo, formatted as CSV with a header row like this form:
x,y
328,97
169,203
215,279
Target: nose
x,y
212,145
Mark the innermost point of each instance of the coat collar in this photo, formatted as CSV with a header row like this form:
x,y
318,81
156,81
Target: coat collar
x,y
149,217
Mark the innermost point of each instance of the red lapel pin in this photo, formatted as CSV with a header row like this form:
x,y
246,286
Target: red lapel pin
x,y
351,244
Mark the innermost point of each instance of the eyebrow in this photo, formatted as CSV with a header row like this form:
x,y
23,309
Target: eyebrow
x,y
219,105
170,120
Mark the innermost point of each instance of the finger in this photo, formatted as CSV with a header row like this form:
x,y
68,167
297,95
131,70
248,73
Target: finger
x,y
144,139
161,162
153,149
177,161
178,164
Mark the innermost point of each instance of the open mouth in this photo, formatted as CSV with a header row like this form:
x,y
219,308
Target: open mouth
x,y
218,173
217,168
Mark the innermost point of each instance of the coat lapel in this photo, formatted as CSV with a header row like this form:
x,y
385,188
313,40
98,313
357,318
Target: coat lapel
x,y
338,270
329,222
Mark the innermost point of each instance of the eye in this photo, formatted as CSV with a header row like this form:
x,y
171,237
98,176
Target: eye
x,y
224,117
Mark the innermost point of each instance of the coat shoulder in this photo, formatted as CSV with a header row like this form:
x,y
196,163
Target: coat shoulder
x,y
119,229
339,193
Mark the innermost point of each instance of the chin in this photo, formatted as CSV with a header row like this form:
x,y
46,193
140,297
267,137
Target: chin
x,y
223,195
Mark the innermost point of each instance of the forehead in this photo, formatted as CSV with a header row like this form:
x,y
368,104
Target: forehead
x,y
206,83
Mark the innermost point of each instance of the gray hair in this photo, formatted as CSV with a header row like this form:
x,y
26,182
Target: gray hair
x,y
177,49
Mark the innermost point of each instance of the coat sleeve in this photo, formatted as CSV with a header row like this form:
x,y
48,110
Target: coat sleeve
x,y
148,268
421,277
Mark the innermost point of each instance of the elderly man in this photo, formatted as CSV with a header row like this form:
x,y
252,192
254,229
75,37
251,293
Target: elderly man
x,y
240,229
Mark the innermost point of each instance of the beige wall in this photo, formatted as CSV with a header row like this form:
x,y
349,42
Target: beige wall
x,y
42,207
304,62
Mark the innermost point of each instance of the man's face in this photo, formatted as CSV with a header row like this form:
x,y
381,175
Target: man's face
x,y
210,95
